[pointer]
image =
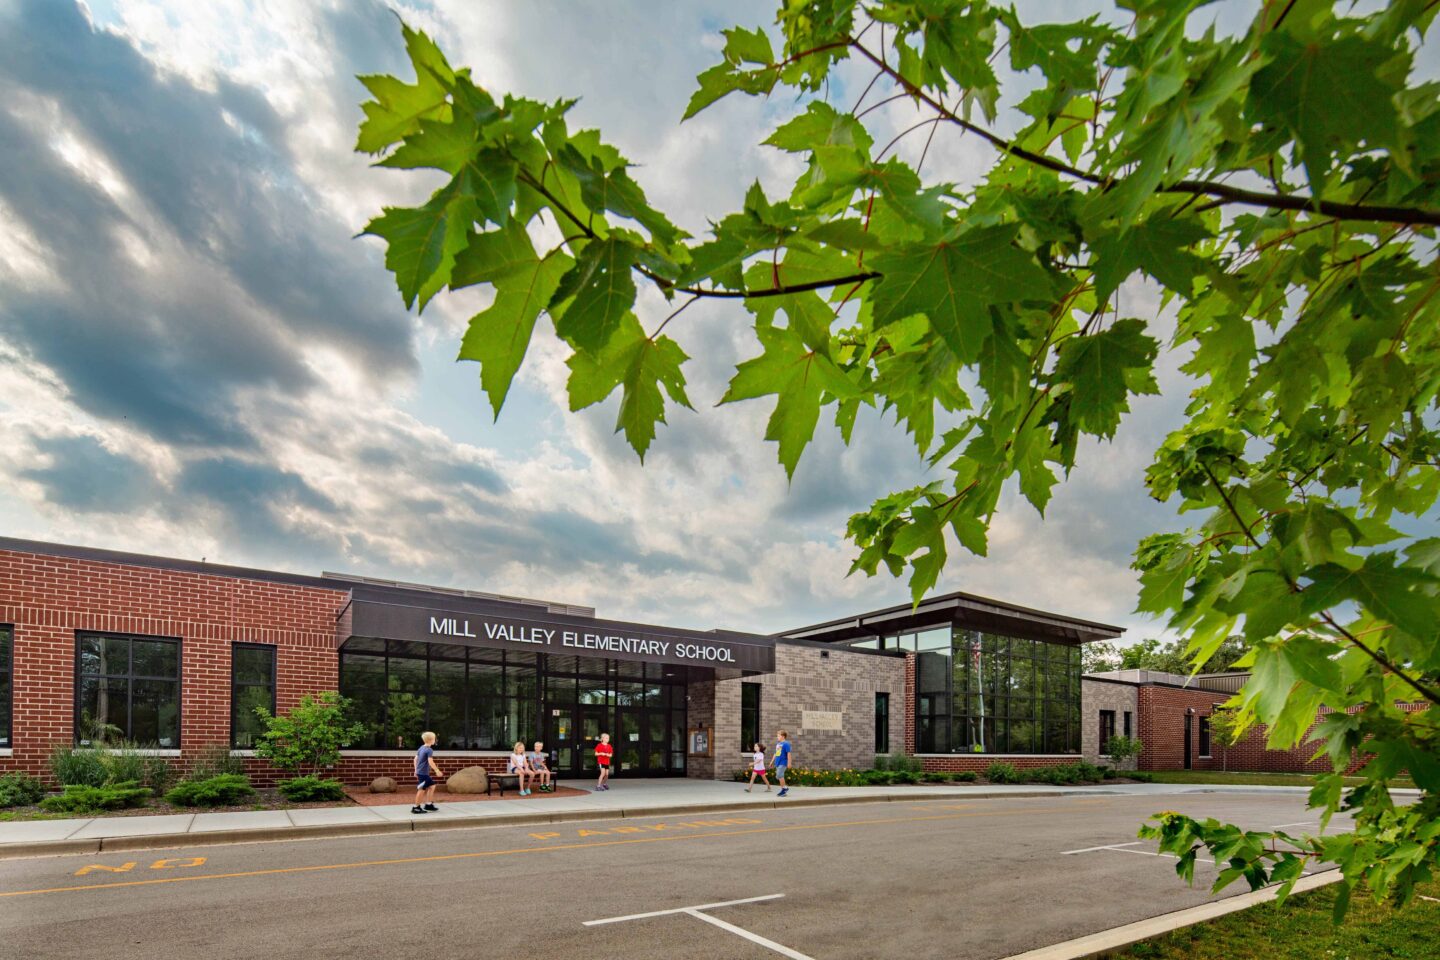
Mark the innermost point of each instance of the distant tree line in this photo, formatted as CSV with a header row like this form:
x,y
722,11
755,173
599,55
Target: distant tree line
x,y
1152,654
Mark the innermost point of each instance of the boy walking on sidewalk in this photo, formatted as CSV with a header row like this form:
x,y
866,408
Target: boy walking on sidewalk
x,y
782,760
426,773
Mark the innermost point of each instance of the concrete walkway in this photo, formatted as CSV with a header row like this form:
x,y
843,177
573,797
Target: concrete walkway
x,y
628,798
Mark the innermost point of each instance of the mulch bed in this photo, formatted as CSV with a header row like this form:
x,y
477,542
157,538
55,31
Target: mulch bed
x,y
363,796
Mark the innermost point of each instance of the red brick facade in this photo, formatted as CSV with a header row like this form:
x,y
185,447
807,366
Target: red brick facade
x,y
956,762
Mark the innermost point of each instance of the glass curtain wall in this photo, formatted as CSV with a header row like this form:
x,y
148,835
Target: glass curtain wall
x,y
481,699
980,692
472,699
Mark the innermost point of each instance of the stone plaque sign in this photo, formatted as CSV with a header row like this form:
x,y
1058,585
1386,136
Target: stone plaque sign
x,y
820,719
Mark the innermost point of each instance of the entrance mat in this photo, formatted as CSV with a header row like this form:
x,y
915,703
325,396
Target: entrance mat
x,y
363,796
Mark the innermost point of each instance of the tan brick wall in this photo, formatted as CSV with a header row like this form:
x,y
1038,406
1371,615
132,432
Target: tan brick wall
x,y
846,682
1097,695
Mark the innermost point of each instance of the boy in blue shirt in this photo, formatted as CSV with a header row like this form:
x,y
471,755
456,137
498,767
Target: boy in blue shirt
x,y
782,760
426,773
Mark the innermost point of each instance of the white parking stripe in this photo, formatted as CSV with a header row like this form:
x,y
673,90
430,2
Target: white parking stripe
x,y
1108,846
1147,853
664,913
1300,823
781,949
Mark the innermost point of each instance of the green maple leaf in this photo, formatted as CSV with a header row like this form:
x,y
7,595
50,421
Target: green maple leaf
x,y
820,125
422,242
399,107
614,190
603,291
798,378
1157,246
1102,370
1390,592
641,366
499,336
954,283
1331,96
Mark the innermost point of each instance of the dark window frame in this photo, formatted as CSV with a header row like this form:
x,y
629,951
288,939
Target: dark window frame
x,y
882,722
1205,738
1128,727
130,677
749,728
236,686
7,709
1107,729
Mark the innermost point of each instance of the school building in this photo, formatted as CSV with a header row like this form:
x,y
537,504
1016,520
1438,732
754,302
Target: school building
x,y
177,654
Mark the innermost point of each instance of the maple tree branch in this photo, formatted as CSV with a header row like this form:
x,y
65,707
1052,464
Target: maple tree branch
x,y
1385,662
1220,191
779,290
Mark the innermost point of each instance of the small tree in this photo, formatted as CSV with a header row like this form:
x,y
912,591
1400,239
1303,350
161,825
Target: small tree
x,y
1121,749
1227,727
309,737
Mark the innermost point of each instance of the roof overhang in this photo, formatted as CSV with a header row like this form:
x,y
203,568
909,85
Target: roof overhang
x,y
966,611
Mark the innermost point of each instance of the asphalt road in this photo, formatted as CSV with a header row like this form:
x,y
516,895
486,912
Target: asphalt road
x,y
945,878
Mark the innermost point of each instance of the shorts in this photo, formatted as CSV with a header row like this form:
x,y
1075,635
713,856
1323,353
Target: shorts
x,y
760,771
780,770
425,780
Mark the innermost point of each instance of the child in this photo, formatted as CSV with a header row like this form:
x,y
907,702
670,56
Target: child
x,y
782,760
757,768
519,766
603,753
540,767
426,773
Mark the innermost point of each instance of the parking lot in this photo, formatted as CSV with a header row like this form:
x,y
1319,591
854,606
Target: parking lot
x,y
935,878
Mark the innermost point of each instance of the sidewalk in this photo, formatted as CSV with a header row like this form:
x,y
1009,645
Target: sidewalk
x,y
629,798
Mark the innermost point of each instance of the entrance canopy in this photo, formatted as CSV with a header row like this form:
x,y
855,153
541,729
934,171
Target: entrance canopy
x,y
424,617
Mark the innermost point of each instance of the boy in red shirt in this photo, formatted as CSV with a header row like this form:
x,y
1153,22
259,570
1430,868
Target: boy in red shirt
x,y
603,753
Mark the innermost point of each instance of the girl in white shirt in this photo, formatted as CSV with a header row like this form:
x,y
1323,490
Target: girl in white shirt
x,y
519,766
757,768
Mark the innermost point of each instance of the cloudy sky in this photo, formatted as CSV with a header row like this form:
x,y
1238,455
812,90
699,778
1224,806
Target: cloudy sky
x,y
198,359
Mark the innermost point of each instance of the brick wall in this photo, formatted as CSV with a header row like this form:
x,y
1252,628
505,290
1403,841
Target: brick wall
x,y
700,711
1097,695
48,599
846,682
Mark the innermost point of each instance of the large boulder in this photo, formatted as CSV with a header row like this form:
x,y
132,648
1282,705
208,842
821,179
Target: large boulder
x,y
382,785
468,780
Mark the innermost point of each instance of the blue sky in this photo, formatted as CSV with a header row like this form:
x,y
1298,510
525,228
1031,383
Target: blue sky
x,y
198,359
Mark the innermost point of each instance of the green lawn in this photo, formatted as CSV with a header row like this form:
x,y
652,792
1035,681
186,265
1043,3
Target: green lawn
x,y
1252,779
1301,930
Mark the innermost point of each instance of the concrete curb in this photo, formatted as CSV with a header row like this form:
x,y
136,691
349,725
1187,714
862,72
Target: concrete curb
x,y
17,851
1105,943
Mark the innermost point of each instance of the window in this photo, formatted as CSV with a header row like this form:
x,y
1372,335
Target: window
x,y
252,684
985,693
882,723
127,688
1127,723
7,672
749,716
1204,736
472,699
1107,729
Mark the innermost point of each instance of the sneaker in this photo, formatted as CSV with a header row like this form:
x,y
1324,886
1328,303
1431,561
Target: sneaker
x,y
431,808
783,792
747,789
418,810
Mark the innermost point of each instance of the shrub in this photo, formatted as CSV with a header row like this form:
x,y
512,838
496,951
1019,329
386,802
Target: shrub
x,y
74,766
309,736
877,778
219,790
882,761
935,777
1107,773
899,762
214,760
906,776
83,799
126,761
309,789
1140,776
1121,749
1002,773
965,776
19,790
